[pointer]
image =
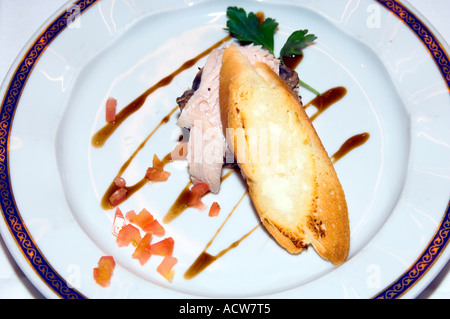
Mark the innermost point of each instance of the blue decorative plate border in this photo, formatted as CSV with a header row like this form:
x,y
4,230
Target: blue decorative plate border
x,y
35,257
8,206
441,238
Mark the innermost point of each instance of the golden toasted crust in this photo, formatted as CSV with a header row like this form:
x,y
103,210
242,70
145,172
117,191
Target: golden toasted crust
x,y
291,180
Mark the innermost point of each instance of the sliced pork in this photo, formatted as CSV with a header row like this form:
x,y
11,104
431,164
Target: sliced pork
x,y
201,115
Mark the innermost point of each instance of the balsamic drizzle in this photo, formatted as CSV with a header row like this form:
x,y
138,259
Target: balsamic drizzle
x,y
349,145
205,259
325,100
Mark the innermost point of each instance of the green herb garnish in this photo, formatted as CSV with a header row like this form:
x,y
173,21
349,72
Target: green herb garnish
x,y
296,42
306,85
249,29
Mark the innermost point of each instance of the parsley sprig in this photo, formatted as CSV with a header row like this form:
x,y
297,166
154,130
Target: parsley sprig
x,y
247,28
296,42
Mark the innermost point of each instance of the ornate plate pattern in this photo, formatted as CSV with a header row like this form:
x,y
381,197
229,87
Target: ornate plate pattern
x,y
440,240
10,212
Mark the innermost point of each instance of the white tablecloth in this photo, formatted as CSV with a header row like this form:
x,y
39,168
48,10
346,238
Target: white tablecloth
x,y
19,19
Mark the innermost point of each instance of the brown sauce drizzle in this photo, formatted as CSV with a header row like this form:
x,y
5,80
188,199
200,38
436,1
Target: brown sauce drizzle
x,y
324,101
205,259
292,61
99,138
350,144
181,203
141,146
105,202
261,16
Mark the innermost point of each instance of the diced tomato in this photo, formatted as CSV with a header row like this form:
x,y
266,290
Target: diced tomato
x,y
199,205
214,210
157,163
143,218
107,263
157,175
128,234
120,182
119,222
118,196
166,267
196,193
200,189
131,216
163,247
104,271
142,251
111,105
154,227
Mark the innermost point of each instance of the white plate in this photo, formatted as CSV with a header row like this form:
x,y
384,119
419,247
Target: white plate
x,y
397,184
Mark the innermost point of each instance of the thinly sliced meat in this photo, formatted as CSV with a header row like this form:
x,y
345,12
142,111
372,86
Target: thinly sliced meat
x,y
201,114
202,105
205,154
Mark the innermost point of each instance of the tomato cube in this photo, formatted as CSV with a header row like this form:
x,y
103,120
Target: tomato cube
x,y
157,163
200,189
120,182
214,210
163,247
142,251
118,196
143,218
128,234
166,267
155,228
104,270
131,216
196,193
110,114
157,175
119,222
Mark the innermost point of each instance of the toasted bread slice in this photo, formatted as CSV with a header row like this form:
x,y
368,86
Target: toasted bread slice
x,y
294,188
